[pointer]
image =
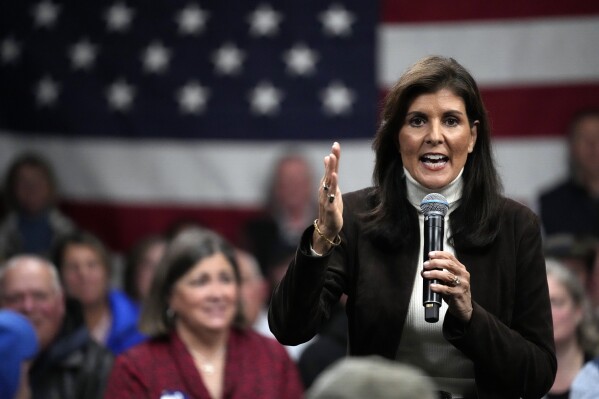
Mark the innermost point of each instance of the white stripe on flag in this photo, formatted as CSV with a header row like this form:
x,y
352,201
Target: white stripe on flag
x,y
236,173
506,52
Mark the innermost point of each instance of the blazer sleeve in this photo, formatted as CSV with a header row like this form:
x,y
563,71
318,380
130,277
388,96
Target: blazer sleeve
x,y
306,295
515,357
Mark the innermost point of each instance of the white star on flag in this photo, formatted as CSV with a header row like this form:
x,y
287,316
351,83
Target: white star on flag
x,y
156,58
265,99
264,21
45,14
83,54
119,17
47,92
300,60
192,98
10,50
192,20
120,95
337,20
337,99
228,59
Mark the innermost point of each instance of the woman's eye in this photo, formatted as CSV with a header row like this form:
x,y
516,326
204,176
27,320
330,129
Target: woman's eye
x,y
416,121
226,278
451,122
199,281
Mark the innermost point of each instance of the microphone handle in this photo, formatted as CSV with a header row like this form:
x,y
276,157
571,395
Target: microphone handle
x,y
433,241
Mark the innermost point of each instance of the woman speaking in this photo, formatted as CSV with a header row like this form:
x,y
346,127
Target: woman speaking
x,y
494,335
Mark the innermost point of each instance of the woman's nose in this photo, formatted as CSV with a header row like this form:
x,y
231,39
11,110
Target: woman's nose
x,y
434,135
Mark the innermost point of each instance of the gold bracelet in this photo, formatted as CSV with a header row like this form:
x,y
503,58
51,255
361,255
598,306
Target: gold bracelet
x,y
336,241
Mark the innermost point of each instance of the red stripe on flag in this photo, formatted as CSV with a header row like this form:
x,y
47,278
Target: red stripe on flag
x,y
535,111
456,10
119,226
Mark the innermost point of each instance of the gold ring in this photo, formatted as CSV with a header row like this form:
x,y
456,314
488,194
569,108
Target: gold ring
x,y
331,197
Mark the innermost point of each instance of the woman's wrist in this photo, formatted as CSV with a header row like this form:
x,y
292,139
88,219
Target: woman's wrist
x,y
320,240
319,245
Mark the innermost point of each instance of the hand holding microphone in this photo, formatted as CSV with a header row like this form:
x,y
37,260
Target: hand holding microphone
x,y
443,275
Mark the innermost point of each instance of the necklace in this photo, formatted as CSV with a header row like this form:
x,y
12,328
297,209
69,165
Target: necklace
x,y
208,366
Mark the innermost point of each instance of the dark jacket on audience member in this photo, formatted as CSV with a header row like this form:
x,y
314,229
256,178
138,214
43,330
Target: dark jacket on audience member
x,y
568,208
74,366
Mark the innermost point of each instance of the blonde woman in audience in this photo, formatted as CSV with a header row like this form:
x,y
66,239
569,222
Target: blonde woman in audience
x,y
576,337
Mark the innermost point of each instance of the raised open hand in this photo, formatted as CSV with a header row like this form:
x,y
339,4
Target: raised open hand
x,y
330,206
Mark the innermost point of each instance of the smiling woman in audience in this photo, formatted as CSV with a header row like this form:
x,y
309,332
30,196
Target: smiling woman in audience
x,y
199,347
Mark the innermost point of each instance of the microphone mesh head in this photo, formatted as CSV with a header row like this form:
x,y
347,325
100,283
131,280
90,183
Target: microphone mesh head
x,y
434,203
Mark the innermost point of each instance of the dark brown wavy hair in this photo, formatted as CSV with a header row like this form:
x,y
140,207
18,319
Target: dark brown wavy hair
x,y
183,252
393,219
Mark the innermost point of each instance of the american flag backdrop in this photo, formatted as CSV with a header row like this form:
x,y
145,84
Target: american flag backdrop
x,y
157,111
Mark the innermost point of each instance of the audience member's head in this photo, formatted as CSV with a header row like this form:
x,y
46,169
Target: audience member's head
x,y
180,224
30,285
30,185
141,265
291,186
583,134
85,267
570,308
371,377
192,260
18,344
254,288
576,253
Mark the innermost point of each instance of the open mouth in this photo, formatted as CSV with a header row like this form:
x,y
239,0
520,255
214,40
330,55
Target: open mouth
x,y
434,161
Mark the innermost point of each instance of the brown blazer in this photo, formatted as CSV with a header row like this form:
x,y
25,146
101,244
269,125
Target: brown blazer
x,y
510,335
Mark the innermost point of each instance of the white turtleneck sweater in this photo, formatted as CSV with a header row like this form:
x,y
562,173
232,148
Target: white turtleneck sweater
x,y
422,343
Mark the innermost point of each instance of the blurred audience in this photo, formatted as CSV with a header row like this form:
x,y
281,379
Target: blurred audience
x,y
141,265
70,365
575,333
255,293
288,209
326,348
200,346
576,253
572,206
33,222
85,267
18,345
594,285
371,377
586,383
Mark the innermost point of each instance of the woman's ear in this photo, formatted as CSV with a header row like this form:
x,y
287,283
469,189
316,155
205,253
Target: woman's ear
x,y
473,135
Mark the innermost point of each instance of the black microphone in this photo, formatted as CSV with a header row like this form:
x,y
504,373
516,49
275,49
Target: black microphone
x,y
434,207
